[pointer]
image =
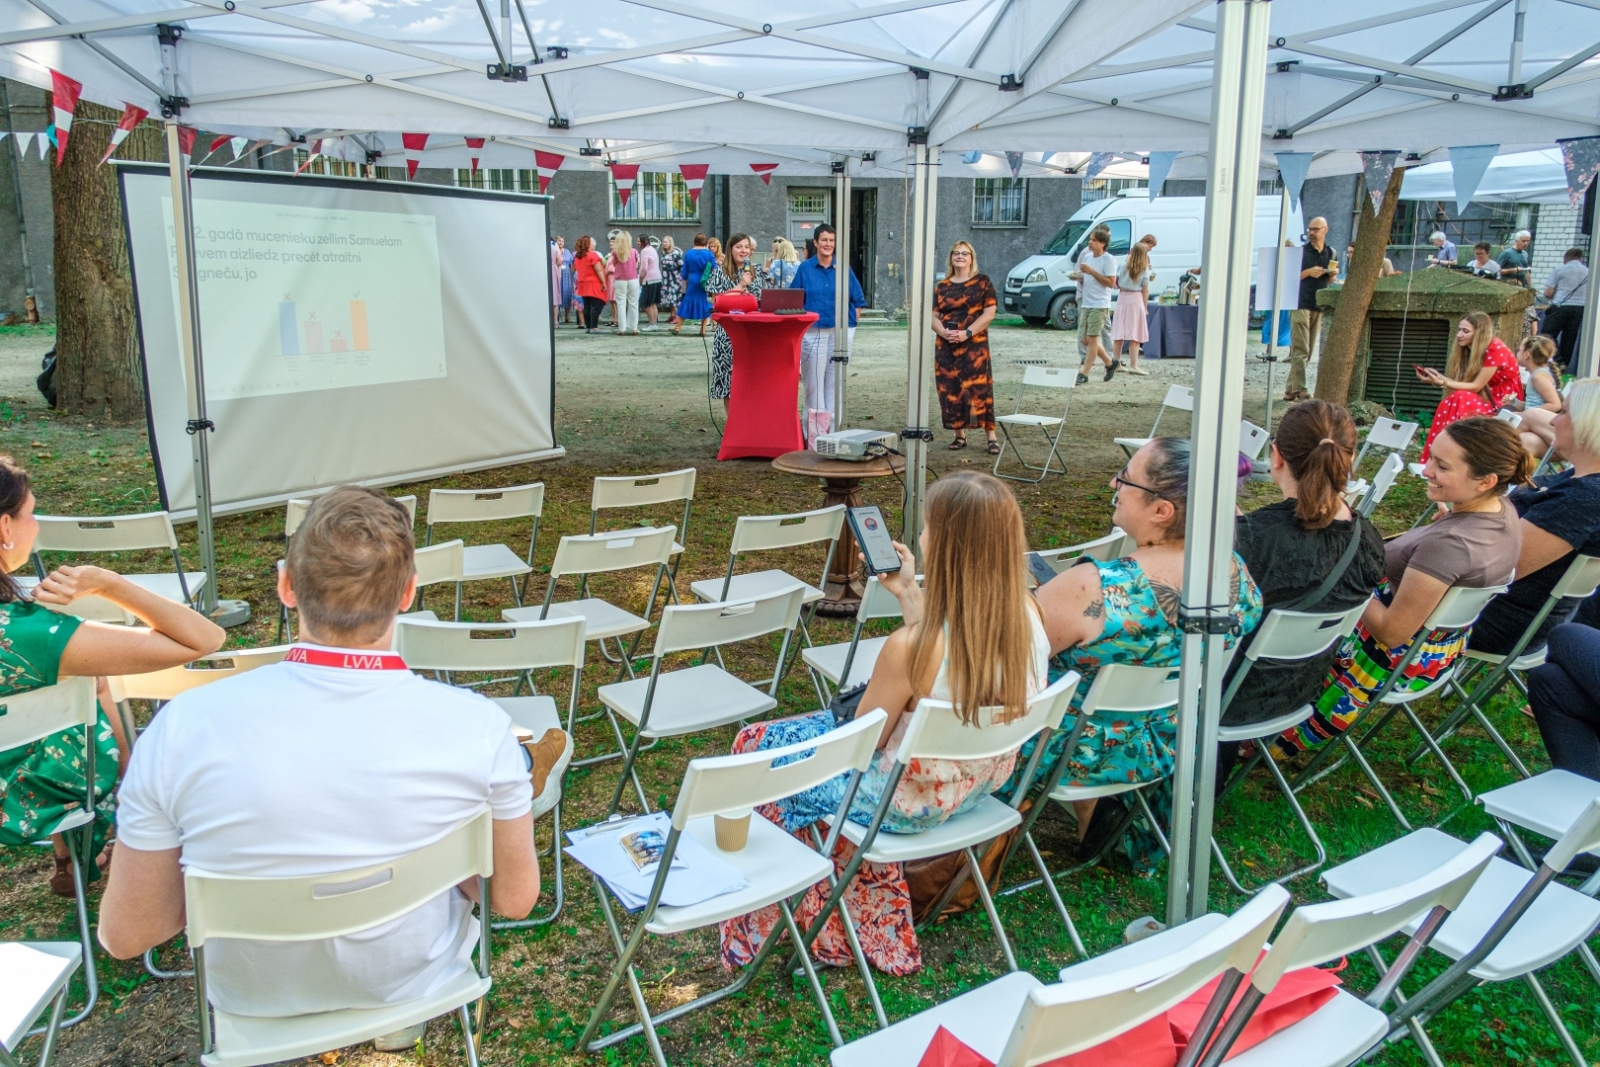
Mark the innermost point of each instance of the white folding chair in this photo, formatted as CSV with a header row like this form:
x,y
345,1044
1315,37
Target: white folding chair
x,y
484,562
34,975
765,533
1017,1021
118,533
1252,439
1347,1026
1388,435
936,731
1284,637
646,490
1178,398
337,904
705,696
1118,688
28,717
294,513
1507,415
441,564
1063,378
1513,923
776,867
523,647
1367,497
1459,608
849,663
1547,804
1113,545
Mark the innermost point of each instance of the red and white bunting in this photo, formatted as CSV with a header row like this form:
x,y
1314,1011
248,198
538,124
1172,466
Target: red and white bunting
x,y
65,93
694,176
474,147
238,146
315,150
624,174
414,144
186,136
547,163
764,171
132,115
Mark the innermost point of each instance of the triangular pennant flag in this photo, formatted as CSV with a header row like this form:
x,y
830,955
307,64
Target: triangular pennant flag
x,y
64,95
547,163
186,136
237,145
1376,168
1160,167
414,144
475,146
42,139
624,174
1014,161
218,142
969,158
1098,161
1581,158
315,150
50,132
1293,168
694,176
1467,167
764,171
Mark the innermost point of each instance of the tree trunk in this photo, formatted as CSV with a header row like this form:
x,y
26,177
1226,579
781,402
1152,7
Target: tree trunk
x,y
97,333
1338,361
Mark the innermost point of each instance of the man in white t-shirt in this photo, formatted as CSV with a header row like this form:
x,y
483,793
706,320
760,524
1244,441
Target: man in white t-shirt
x,y
337,758
1097,280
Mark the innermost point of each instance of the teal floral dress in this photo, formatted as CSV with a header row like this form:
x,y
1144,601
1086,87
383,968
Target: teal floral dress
x,y
42,782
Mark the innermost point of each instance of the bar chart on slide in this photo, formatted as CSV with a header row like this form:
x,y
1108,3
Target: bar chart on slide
x,y
304,333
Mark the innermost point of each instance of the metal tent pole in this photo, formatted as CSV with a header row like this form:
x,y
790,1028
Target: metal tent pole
x,y
1236,102
841,289
1277,296
919,338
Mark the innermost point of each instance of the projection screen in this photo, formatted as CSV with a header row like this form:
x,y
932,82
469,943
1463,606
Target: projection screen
x,y
351,331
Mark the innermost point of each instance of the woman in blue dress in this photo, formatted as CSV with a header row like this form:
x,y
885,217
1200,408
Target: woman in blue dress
x,y
698,262
566,277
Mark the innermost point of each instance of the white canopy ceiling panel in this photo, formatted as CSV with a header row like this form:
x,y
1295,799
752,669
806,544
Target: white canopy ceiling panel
x,y
1536,177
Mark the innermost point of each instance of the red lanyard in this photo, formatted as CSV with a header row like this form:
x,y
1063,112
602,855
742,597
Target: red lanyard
x,y
350,661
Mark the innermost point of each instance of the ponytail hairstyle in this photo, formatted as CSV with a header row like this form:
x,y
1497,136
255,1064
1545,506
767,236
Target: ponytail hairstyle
x,y
1540,349
14,487
1138,261
1466,362
1493,447
1318,442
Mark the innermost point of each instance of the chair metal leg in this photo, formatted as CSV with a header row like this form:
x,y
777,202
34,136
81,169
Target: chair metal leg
x,y
1433,746
1550,1013
1414,1025
625,953
467,1037
811,975
628,771
988,906
156,972
555,852
79,843
1055,897
855,943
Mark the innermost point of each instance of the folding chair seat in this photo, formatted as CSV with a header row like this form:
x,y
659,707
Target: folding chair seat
x,y
1283,636
1017,1021
485,562
118,533
1178,398
294,513
776,867
337,904
34,975
763,533
687,701
28,717
850,662
646,490
1513,922
1063,378
1547,804
522,647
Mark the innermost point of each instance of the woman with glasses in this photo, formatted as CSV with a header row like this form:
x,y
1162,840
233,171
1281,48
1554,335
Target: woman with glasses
x,y
964,304
1126,611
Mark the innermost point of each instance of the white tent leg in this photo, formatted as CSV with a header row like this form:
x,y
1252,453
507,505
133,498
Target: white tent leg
x,y
841,300
919,337
1277,311
1241,63
1589,332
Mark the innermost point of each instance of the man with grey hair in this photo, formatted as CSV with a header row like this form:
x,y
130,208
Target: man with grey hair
x,y
1446,256
1317,269
1514,261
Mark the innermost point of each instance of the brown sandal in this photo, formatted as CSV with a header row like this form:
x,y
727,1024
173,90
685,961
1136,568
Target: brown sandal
x,y
61,883
958,444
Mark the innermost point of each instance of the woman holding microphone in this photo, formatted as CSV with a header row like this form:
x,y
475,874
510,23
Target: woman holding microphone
x,y
734,272
819,280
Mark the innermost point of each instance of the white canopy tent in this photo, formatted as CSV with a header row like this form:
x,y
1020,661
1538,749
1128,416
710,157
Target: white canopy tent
x,y
1518,178
921,78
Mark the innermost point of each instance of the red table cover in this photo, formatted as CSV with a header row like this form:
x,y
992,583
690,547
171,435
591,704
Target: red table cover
x,y
763,407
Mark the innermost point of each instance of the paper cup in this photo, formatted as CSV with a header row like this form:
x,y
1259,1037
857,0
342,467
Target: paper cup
x,y
733,830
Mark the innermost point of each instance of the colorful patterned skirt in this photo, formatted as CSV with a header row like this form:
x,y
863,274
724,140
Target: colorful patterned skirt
x,y
43,783
963,375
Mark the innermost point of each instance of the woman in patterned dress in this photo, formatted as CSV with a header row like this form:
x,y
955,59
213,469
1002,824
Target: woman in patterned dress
x,y
735,272
1126,611
1480,377
973,637
671,278
964,304
41,783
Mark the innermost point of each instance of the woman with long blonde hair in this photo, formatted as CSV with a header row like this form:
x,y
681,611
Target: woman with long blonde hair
x,y
782,264
623,264
1480,377
975,638
964,304
1129,322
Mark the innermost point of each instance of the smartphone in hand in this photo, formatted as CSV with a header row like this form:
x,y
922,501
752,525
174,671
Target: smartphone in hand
x,y
872,534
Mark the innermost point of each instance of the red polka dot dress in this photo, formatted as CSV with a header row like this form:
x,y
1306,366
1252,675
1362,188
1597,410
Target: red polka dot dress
x,y
1506,384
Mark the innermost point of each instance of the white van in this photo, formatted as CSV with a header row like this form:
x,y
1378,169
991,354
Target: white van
x,y
1039,290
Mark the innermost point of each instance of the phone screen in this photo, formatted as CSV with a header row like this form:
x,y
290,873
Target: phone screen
x,y
872,534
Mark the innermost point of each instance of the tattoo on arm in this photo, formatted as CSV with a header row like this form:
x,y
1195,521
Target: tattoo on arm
x,y
1096,608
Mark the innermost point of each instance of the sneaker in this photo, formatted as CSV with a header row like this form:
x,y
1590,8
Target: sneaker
x,y
400,1040
648,329
551,754
1083,379
1112,370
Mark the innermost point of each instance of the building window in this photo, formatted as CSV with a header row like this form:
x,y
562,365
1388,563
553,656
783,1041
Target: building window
x,y
337,168
1101,188
1272,186
809,202
1000,201
655,198
506,181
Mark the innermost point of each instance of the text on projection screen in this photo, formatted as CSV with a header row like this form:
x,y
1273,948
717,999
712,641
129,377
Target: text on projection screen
x,y
295,299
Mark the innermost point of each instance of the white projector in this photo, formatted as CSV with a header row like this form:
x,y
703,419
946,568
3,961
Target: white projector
x,y
851,444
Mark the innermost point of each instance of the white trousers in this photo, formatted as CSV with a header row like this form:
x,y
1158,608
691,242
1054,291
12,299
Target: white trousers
x,y
817,371
626,290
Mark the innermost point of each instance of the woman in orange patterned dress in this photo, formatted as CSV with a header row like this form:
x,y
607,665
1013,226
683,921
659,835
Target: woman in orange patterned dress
x,y
1480,376
964,304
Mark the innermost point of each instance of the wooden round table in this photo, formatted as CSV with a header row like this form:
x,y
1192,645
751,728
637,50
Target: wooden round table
x,y
841,484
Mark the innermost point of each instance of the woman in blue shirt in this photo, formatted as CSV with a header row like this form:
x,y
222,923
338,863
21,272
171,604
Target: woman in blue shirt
x,y
697,263
817,277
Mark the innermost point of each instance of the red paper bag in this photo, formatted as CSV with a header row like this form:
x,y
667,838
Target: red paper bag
x,y
1297,995
1149,1044
948,1050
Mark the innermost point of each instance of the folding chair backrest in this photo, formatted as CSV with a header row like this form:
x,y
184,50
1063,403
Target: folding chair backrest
x,y
320,906
937,732
877,602
1179,397
638,491
1507,415
111,533
1292,635
485,505
1050,377
759,533
1113,545
1058,1020
426,645
717,784
164,685
1461,607
693,626
1391,434
1581,579
441,563
1582,836
1124,687
600,553
26,717
295,512
1316,933
1393,464
1252,439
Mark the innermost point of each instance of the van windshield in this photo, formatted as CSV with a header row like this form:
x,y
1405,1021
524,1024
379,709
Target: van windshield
x,y
1069,236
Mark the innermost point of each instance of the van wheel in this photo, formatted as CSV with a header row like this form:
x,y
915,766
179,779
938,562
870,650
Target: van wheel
x,y
1064,312
1035,320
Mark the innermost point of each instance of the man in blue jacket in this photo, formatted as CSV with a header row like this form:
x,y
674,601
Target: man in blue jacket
x,y
820,282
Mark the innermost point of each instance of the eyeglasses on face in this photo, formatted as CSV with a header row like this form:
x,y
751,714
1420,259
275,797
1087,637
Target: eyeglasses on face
x,y
1122,482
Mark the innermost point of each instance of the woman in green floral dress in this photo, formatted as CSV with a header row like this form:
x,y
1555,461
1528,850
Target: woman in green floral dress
x,y
43,782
